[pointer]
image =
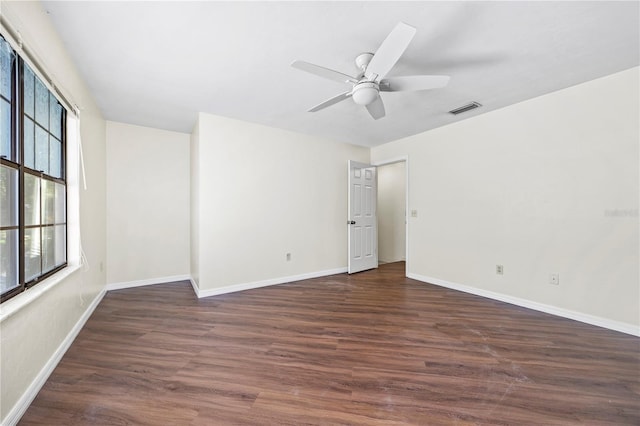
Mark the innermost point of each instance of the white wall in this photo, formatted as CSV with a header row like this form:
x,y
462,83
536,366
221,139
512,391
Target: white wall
x,y
147,203
549,185
391,212
265,192
32,336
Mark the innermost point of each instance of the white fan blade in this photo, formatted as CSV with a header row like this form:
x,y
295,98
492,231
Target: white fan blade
x,y
390,51
323,72
413,82
329,102
376,108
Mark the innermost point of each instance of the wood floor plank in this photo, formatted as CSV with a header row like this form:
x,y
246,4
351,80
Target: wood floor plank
x,y
367,349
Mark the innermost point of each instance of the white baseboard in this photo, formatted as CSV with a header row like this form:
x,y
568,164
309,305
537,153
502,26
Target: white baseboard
x,y
264,283
152,281
196,290
30,394
549,309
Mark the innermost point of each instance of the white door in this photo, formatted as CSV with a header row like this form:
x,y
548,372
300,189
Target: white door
x,y
362,222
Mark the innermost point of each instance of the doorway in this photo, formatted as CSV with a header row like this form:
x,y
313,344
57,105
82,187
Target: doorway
x,y
392,211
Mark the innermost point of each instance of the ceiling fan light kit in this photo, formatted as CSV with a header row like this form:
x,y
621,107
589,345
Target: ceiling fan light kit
x,y
373,67
365,93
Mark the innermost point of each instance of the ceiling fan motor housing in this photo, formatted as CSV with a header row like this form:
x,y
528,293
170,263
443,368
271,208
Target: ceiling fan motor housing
x,y
365,92
362,60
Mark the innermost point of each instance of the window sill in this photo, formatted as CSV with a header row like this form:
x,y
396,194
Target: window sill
x,y
17,303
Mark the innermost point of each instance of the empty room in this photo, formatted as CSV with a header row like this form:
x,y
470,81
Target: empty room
x,y
319,213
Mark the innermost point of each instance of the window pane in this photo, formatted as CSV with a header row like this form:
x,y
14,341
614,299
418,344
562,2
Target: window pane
x,y
60,215
48,249
55,160
55,117
31,200
8,260
5,129
29,90
8,196
7,57
48,196
61,244
31,254
53,247
29,144
42,150
42,104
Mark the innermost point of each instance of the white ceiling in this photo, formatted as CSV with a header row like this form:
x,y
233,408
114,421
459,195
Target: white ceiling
x,y
158,63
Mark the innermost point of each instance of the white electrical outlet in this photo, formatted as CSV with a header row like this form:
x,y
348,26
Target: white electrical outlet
x,y
414,213
499,269
554,279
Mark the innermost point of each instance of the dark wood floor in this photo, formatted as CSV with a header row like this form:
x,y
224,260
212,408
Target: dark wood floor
x,y
372,348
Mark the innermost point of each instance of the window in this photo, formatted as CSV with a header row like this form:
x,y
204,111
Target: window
x,y
33,219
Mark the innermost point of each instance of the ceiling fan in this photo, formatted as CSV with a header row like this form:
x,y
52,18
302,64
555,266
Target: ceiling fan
x,y
370,81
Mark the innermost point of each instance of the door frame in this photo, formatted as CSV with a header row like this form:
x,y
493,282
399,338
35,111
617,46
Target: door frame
x,y
400,159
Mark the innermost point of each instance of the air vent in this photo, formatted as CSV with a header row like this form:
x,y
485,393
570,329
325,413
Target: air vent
x,y
465,108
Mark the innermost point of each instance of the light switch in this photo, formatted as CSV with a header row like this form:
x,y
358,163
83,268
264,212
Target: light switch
x,y
414,213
